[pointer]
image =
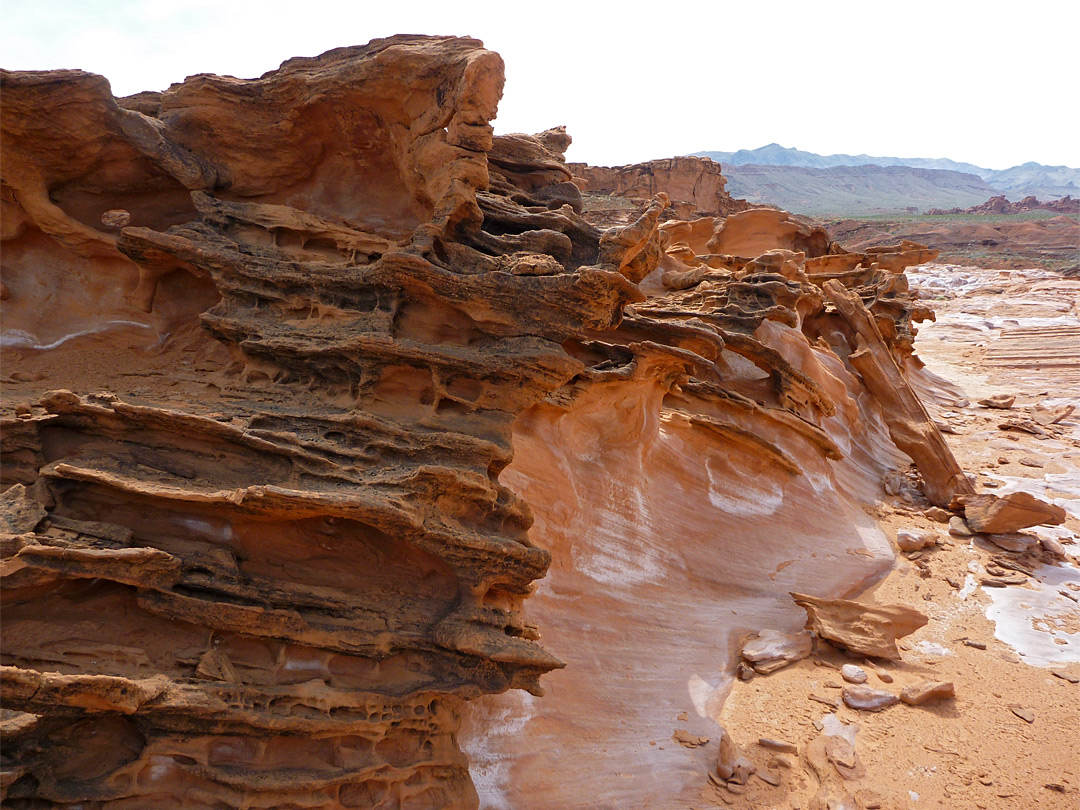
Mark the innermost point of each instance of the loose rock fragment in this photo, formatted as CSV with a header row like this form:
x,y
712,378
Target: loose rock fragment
x,y
772,649
999,401
1025,714
731,765
853,674
868,699
18,512
688,740
915,540
769,777
1016,541
778,745
116,218
861,628
1052,547
1051,416
926,692
938,514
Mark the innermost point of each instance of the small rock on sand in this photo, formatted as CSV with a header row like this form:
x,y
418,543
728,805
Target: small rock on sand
x,y
778,745
853,674
1000,401
915,539
1052,547
769,777
688,740
868,699
927,691
1025,714
936,513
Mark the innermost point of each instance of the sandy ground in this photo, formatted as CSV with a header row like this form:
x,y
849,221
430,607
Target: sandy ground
x,y
1010,739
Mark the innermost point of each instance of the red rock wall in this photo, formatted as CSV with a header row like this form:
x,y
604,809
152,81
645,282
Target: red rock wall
x,y
694,180
270,348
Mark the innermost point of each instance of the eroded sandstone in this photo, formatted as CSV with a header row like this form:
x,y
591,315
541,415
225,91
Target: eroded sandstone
x,y
313,380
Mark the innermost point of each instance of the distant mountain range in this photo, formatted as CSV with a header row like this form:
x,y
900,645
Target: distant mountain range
x,y
806,182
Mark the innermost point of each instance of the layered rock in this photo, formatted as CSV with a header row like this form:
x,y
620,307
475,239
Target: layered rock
x,y
274,585
1002,205
287,358
716,454
697,183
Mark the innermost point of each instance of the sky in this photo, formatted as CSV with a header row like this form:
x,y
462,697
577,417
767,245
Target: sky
x,y
989,83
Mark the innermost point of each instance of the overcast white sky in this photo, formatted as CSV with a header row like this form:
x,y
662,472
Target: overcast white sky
x,y
990,82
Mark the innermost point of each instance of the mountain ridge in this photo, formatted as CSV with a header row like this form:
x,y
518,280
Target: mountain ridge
x,y
1031,178
807,182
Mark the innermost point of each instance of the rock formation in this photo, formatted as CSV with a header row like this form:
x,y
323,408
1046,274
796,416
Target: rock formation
x,y
276,586
1002,205
286,358
696,183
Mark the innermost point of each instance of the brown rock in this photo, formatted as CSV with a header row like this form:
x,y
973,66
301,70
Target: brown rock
x,y
688,740
958,528
926,692
868,699
1000,401
18,512
731,765
1025,714
915,540
694,180
769,777
994,514
1043,415
853,674
778,745
861,628
309,385
938,514
1016,542
116,218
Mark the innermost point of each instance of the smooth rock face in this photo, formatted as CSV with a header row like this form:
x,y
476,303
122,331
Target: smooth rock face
x,y
868,699
926,692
